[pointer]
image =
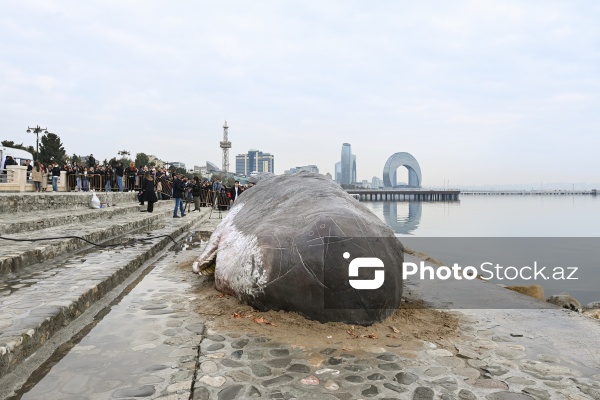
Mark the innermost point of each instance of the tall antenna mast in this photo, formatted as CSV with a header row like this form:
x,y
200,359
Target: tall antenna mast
x,y
225,145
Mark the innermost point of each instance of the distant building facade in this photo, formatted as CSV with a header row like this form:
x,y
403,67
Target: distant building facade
x,y
345,170
211,167
157,162
178,164
199,170
306,168
254,161
376,183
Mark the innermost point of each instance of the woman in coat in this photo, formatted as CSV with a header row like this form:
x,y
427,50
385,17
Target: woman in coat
x,y
149,195
37,176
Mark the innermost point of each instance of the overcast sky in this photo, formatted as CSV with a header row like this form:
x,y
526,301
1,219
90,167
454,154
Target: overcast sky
x,y
478,91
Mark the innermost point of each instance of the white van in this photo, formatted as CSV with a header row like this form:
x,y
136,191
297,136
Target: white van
x,y
20,156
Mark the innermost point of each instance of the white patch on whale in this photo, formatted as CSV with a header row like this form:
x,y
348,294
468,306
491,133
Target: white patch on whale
x,y
240,268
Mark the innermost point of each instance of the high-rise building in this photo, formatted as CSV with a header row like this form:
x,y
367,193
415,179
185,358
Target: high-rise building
x,y
347,167
254,161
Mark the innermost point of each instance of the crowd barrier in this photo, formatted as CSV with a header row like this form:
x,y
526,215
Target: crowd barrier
x,y
97,182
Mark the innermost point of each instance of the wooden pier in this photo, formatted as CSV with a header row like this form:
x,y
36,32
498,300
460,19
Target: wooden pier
x,y
529,192
404,195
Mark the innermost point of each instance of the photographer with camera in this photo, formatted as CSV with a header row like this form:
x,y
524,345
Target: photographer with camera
x,y
196,192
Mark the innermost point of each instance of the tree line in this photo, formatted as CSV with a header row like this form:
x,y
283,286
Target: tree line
x,y
52,150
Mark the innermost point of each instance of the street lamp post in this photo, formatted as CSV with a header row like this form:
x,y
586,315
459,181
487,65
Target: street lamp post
x,y
37,131
123,153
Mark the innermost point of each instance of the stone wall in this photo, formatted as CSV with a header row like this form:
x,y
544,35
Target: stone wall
x,y
28,202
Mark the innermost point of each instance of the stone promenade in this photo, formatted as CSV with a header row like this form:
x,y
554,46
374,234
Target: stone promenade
x,y
125,323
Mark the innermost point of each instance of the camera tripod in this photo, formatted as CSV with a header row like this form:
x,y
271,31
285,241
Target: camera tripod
x,y
216,206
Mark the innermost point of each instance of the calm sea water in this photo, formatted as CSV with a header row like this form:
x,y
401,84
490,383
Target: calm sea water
x,y
494,216
559,232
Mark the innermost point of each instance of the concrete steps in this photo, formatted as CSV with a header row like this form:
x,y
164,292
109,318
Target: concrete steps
x,y
30,202
96,226
46,285
32,314
11,223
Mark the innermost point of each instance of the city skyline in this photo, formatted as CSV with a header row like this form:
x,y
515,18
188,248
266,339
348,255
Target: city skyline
x,y
492,92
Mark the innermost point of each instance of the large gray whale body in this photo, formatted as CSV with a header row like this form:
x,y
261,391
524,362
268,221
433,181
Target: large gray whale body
x,y
287,244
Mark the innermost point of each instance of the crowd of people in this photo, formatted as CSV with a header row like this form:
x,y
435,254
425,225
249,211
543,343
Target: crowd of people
x,y
200,193
151,183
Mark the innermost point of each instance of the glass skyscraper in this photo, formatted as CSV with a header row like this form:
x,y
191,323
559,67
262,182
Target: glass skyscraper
x,y
347,167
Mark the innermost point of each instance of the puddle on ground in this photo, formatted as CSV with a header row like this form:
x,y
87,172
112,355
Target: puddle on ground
x,y
142,339
194,241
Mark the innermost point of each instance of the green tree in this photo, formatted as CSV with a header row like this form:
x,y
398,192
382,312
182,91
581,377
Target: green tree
x,y
125,161
141,159
51,149
180,171
10,143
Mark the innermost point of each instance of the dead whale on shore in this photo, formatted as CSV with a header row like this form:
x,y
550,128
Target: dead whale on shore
x,y
301,243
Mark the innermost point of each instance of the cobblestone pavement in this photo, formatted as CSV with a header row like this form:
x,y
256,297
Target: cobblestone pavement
x,y
481,365
498,355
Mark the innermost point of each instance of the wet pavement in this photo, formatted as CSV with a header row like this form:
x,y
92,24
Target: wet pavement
x,y
153,344
42,300
146,346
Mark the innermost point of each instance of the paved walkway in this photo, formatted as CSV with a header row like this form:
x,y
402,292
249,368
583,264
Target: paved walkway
x,y
499,355
145,347
153,345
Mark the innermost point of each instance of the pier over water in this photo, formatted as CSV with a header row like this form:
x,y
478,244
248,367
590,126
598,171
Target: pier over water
x,y
404,194
529,192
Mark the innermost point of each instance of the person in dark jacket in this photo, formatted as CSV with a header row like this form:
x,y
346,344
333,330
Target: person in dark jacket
x,y
142,186
131,174
108,178
55,175
149,194
178,196
9,161
119,171
196,192
234,192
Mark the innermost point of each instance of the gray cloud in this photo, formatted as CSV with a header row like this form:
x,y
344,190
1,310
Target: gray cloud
x,y
478,91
